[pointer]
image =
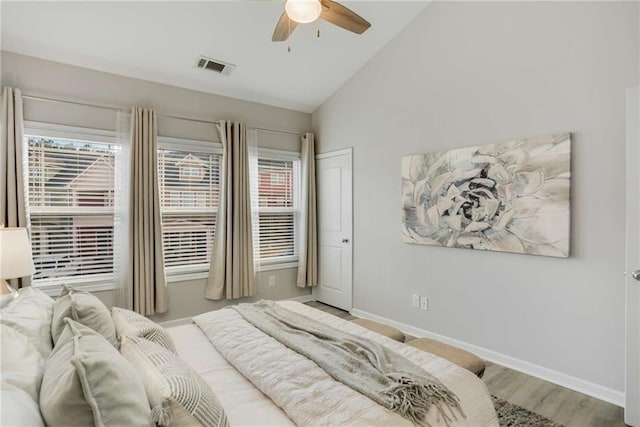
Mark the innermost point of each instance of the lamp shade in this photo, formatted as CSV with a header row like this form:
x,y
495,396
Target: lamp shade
x,y
15,254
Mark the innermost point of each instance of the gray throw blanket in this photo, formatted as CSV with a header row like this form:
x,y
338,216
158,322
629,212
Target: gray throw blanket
x,y
366,366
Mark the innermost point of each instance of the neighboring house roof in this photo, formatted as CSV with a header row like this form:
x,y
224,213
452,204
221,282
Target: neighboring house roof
x,y
172,165
190,159
96,167
59,165
60,176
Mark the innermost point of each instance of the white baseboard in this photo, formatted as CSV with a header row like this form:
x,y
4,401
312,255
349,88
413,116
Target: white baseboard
x,y
303,299
595,390
187,320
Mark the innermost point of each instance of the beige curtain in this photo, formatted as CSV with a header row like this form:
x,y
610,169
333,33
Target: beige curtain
x,y
13,208
308,247
231,274
146,285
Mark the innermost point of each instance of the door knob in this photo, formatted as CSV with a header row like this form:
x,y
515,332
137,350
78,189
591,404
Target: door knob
x,y
347,241
636,275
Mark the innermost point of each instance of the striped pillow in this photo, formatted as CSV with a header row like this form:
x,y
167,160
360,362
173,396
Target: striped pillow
x,y
129,323
177,394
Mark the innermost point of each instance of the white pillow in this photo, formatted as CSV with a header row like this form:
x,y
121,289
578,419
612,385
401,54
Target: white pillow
x,y
18,409
21,365
131,324
30,314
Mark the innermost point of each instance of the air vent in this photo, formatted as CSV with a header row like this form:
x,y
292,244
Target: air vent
x,y
215,65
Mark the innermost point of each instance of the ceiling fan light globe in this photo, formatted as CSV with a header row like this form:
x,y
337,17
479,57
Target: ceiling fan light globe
x,y
303,11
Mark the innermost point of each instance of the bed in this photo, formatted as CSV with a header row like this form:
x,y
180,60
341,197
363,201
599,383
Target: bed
x,y
266,362
73,361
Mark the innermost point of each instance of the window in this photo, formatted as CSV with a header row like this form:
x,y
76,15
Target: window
x,y
278,179
70,191
278,207
191,172
189,176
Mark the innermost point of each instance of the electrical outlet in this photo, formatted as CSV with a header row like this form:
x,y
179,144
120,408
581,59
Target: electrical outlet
x,y
424,303
272,280
415,301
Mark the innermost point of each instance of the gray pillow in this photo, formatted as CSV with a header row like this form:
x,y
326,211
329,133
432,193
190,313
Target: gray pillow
x,y
84,308
87,382
129,323
177,394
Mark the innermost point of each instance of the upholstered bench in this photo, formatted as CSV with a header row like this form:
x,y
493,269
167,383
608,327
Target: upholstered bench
x,y
453,354
387,331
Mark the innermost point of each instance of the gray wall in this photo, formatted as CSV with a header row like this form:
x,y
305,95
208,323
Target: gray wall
x,y
39,77
475,73
186,298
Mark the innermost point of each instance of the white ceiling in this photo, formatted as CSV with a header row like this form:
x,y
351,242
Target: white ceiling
x,y
160,42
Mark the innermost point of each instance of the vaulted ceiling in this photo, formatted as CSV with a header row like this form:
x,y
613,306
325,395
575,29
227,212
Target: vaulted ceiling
x,y
161,41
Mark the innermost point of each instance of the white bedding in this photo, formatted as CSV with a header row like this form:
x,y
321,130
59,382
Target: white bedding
x,y
305,392
244,404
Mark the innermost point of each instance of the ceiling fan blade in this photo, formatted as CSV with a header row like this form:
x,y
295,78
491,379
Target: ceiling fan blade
x,y
284,28
343,17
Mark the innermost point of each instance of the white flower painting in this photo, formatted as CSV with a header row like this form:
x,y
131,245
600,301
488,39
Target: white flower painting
x,y
510,197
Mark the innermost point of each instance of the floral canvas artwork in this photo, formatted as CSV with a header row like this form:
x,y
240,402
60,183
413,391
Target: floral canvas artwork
x,y
510,197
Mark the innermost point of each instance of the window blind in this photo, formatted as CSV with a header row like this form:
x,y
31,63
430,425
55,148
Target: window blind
x,y
189,193
278,206
71,205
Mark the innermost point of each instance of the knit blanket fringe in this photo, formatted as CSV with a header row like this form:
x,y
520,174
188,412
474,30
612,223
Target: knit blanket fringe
x,y
413,399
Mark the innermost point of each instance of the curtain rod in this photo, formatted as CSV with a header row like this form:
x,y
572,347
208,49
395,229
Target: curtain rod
x,y
61,101
114,108
279,131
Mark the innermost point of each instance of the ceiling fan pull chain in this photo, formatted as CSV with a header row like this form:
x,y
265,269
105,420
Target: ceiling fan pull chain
x,y
289,25
289,43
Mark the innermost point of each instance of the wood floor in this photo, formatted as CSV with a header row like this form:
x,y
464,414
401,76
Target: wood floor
x,y
564,406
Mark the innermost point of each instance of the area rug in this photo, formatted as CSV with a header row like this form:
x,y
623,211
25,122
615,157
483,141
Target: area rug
x,y
511,415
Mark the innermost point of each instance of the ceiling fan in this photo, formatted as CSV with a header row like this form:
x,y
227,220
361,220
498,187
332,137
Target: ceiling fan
x,y
306,11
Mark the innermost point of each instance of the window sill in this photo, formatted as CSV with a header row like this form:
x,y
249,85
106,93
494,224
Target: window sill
x,y
54,289
203,275
281,266
186,277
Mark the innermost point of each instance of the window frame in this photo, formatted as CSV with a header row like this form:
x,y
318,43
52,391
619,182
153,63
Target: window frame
x,y
185,273
291,261
95,282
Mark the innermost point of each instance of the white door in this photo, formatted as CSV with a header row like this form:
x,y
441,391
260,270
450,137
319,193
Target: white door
x,y
335,217
632,387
